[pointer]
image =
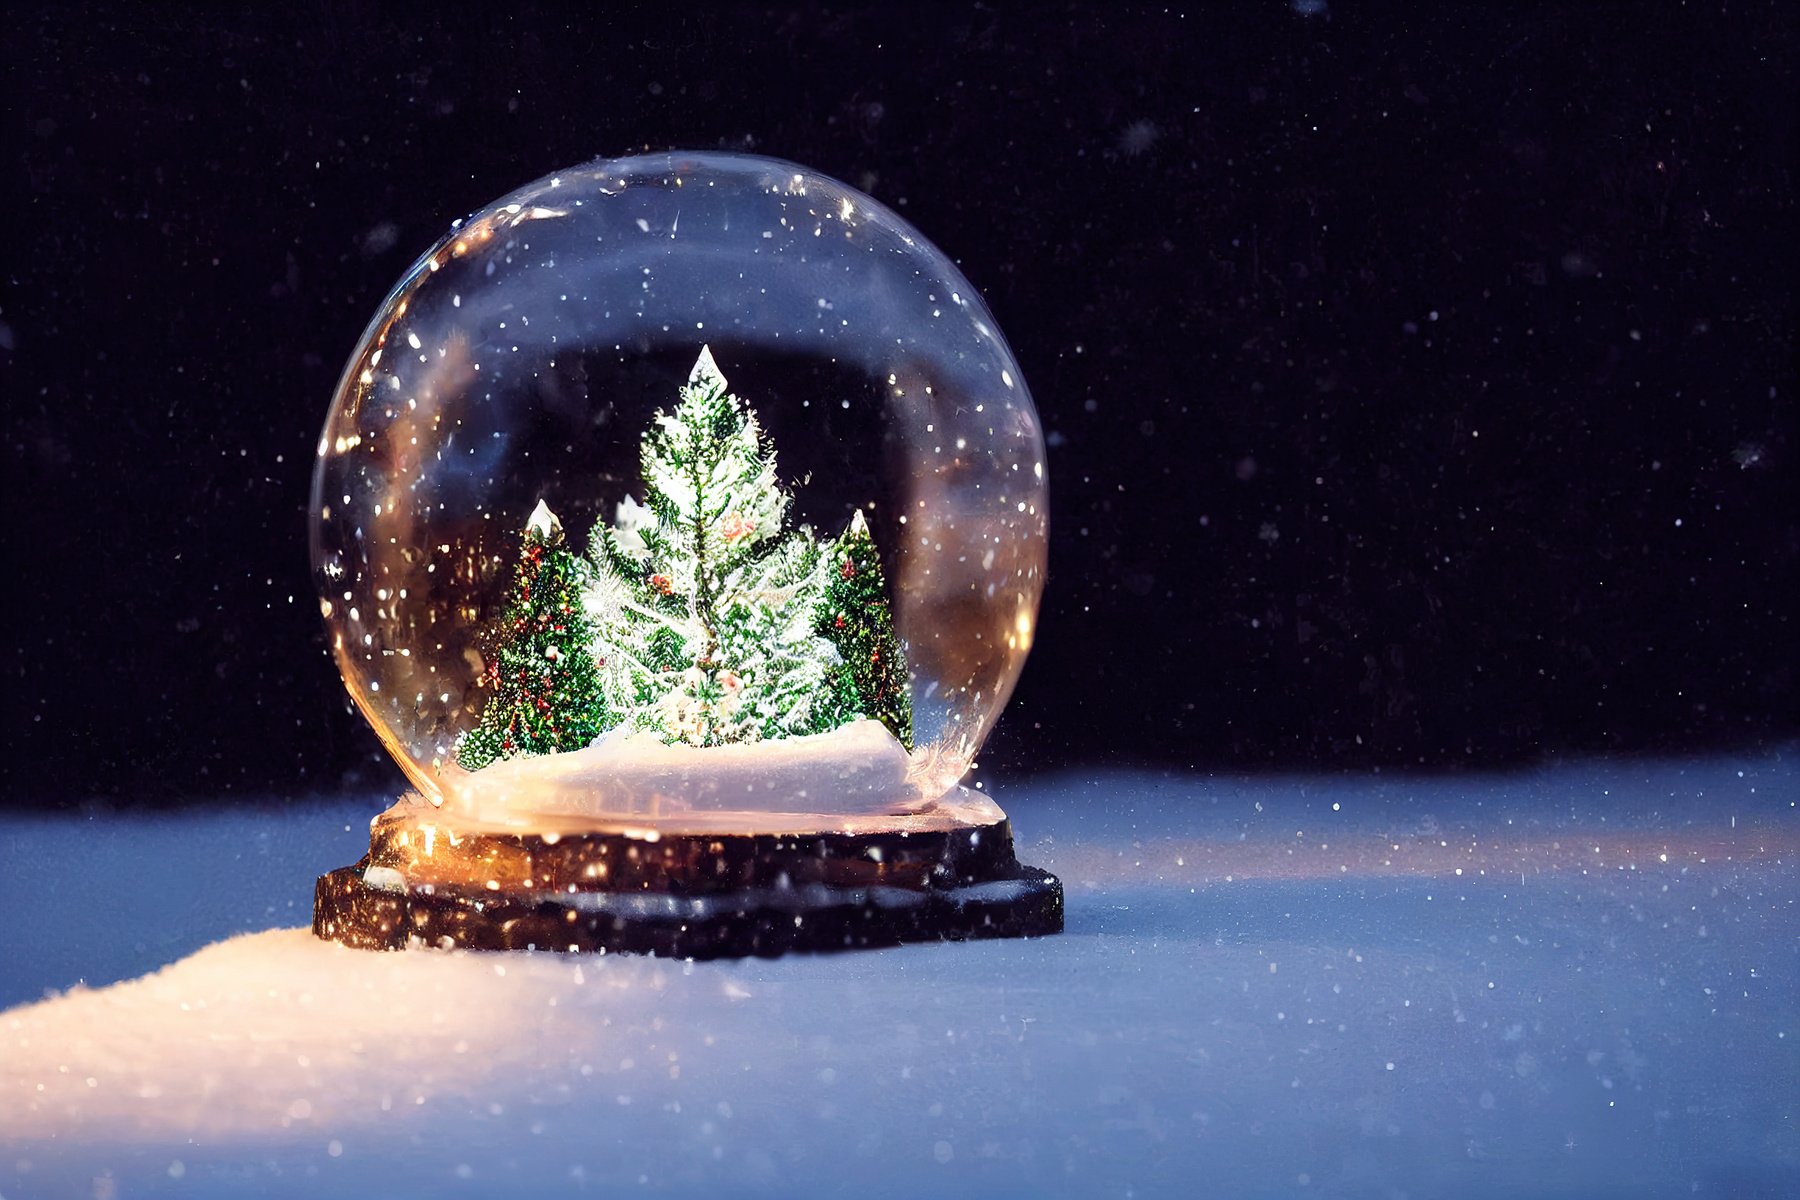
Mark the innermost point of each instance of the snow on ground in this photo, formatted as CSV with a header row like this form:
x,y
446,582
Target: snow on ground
x,y
1577,982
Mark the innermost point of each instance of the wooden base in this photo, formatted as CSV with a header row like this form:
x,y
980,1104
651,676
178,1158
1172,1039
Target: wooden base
x,y
705,895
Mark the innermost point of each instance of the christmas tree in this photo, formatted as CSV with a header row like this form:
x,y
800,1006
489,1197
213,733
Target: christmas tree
x,y
704,617
853,615
544,682
711,610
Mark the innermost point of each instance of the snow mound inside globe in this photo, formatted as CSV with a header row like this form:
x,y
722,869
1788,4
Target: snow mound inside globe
x,y
857,768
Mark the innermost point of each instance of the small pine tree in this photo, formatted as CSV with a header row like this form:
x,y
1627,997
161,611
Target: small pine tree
x,y
853,615
545,686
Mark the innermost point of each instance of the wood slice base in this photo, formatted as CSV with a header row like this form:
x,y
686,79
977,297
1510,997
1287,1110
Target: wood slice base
x,y
705,895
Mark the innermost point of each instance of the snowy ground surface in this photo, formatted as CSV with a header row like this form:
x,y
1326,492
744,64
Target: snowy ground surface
x,y
1579,982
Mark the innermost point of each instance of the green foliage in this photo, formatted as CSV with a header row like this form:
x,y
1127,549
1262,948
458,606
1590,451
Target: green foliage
x,y
853,615
544,683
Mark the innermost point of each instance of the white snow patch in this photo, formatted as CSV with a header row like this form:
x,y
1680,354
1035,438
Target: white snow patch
x,y
630,519
1148,1047
543,522
804,783
706,371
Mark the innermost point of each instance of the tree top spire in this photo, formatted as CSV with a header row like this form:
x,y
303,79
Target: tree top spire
x,y
706,372
543,522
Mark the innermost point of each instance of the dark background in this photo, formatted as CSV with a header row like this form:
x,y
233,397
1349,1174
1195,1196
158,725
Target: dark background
x,y
1420,387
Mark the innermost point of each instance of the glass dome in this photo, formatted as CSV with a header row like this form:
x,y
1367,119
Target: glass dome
x,y
546,601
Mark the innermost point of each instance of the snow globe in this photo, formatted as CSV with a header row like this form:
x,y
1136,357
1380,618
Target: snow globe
x,y
679,526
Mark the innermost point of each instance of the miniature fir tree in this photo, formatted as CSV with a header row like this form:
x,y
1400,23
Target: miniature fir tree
x,y
545,686
853,615
709,607
706,619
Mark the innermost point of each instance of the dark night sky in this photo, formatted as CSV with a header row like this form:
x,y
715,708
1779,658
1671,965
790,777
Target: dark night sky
x,y
1420,388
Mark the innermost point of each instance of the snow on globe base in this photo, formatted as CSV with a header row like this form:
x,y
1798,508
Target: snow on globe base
x,y
676,663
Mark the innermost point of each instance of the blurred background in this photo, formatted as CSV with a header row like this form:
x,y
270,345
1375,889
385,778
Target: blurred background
x,y
1419,390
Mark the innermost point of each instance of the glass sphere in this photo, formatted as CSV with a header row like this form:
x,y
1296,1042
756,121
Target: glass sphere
x,y
507,402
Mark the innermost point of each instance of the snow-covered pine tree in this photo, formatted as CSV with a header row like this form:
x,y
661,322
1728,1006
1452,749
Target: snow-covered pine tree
x,y
706,605
545,689
699,594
